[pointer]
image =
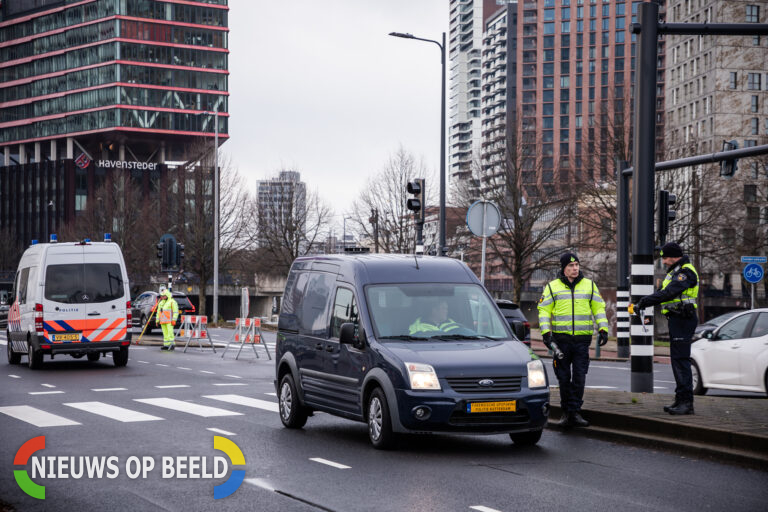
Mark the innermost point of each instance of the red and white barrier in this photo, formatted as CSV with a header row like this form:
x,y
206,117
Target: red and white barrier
x,y
195,327
247,332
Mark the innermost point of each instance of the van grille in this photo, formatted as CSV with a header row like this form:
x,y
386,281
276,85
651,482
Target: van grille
x,y
461,418
472,384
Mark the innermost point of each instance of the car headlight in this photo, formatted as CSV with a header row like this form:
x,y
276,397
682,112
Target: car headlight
x,y
422,376
537,376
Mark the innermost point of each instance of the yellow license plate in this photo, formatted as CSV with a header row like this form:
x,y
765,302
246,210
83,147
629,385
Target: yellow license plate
x,y
508,406
74,336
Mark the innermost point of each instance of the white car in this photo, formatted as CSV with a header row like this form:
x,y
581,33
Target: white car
x,y
734,356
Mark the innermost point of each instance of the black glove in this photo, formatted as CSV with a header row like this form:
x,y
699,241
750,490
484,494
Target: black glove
x,y
602,338
547,338
640,305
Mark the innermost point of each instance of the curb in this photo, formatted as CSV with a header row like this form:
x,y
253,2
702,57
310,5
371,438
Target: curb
x,y
714,443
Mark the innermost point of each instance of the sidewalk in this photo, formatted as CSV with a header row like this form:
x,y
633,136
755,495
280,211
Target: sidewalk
x,y
725,428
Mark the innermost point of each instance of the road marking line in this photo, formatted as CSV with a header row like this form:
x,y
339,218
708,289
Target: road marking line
x,y
271,394
171,386
45,392
183,368
14,376
230,384
36,417
161,364
48,385
667,381
330,463
258,482
109,389
145,362
181,406
609,367
113,412
659,387
481,508
222,432
206,371
246,401
234,376
600,387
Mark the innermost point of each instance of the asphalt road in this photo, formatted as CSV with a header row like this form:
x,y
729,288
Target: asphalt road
x,y
173,404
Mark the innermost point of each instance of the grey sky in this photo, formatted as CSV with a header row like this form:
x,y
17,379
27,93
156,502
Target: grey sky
x,y
319,86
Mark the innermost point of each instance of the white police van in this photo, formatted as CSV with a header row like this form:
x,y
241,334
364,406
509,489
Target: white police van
x,y
70,298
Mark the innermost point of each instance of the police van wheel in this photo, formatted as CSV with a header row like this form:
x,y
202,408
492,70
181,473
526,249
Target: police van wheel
x,y
379,421
698,385
292,413
526,438
13,357
93,356
120,357
35,357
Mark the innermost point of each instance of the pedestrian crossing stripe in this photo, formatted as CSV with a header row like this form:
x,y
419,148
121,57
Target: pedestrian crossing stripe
x,y
181,406
113,412
246,401
36,416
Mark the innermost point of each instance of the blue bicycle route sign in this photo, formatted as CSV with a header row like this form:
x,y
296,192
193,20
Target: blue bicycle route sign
x,y
753,273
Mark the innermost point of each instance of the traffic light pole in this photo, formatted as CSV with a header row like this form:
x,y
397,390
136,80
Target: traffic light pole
x,y
622,263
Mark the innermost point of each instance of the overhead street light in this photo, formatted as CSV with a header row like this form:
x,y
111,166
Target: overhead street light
x,y
442,229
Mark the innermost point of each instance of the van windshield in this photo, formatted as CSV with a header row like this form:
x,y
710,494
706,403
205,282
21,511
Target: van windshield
x,y
434,311
84,283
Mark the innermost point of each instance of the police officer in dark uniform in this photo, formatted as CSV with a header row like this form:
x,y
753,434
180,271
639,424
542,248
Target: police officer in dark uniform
x,y
677,297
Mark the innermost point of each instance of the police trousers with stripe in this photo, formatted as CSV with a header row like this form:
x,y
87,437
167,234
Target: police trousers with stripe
x,y
571,370
680,334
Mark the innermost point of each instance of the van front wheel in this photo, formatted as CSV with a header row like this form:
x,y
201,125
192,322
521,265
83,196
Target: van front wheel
x,y
120,357
292,413
526,438
379,421
13,357
35,357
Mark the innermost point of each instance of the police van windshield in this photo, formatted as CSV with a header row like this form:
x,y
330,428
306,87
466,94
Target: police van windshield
x,y
84,283
434,311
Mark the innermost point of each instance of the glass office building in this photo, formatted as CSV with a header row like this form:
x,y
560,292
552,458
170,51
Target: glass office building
x,y
94,87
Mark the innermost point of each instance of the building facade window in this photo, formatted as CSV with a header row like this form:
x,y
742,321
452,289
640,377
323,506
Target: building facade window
x,y
753,14
753,81
732,80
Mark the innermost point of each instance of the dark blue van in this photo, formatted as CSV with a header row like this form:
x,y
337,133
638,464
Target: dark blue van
x,y
405,344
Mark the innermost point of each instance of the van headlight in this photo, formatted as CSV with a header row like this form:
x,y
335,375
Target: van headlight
x,y
537,376
422,376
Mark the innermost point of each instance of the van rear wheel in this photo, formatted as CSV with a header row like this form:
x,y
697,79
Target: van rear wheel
x,y
93,356
35,357
120,357
292,413
13,357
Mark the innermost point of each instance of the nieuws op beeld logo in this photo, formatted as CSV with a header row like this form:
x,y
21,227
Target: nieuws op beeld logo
x,y
63,467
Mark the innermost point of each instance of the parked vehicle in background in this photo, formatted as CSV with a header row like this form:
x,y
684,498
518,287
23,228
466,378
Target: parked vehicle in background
x,y
5,299
144,302
714,323
734,356
516,320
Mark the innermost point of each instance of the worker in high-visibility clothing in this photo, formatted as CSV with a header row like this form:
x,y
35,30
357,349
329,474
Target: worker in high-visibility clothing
x,y
167,313
437,321
566,310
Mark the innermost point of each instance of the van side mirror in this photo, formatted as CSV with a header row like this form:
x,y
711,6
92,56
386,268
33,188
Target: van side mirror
x,y
347,334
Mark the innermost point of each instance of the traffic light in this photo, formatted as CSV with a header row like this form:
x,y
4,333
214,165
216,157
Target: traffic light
x,y
160,250
179,254
416,203
729,167
665,214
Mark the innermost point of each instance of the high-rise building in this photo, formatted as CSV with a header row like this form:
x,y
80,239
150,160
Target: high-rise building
x,y
464,98
94,88
281,201
717,90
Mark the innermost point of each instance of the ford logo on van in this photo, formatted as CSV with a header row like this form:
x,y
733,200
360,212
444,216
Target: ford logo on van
x,y
486,383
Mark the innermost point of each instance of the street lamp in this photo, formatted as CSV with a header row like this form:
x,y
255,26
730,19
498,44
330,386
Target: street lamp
x,y
215,214
441,248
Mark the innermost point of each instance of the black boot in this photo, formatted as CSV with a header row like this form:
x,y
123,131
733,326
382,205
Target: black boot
x,y
682,409
172,348
566,420
672,406
578,421
164,347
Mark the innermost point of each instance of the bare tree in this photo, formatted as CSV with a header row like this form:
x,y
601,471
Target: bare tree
x,y
534,229
386,194
290,227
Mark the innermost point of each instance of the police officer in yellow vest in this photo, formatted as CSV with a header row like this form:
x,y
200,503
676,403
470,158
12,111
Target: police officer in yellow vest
x,y
167,313
677,297
437,320
566,310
